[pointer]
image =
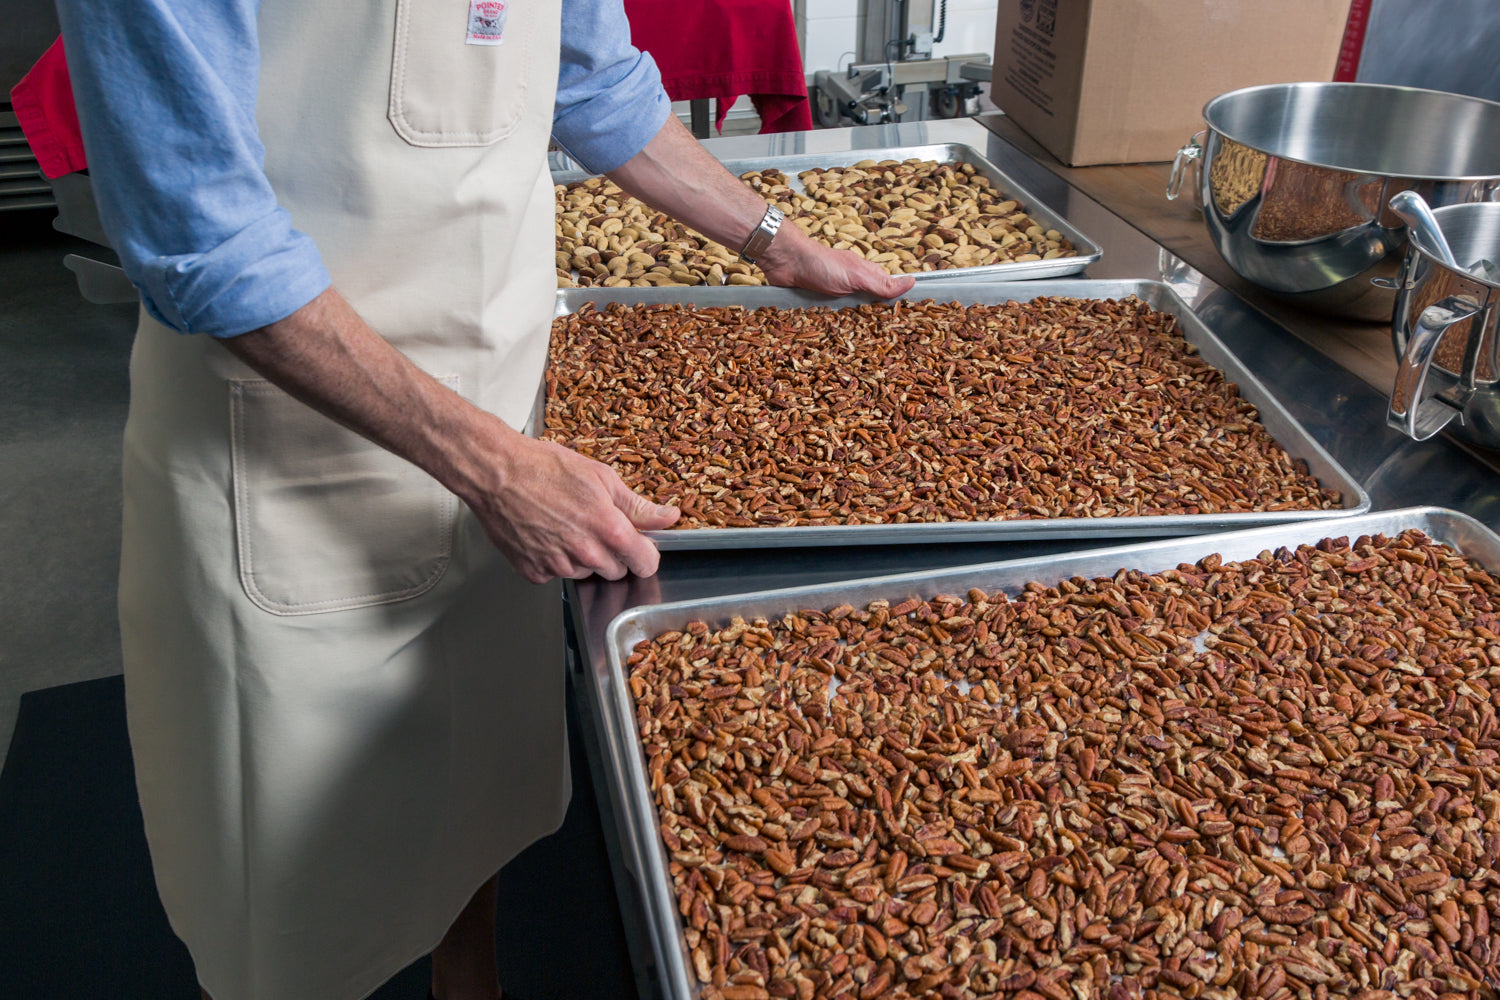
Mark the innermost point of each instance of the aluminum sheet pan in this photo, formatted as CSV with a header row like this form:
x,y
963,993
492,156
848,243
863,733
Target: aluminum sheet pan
x,y
948,152
636,825
1282,426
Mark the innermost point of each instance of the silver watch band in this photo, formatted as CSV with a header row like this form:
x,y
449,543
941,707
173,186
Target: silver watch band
x,y
760,240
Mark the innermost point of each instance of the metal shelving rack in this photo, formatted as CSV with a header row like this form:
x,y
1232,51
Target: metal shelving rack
x,y
22,184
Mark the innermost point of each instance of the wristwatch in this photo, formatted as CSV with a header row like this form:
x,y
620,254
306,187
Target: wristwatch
x,y
760,240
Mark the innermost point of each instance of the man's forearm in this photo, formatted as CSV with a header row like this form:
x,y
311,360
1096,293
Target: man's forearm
x,y
325,355
676,175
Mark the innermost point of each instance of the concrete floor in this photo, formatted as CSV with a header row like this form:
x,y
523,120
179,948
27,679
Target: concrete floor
x,y
63,392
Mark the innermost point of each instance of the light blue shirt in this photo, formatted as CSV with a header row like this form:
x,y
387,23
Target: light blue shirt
x,y
166,98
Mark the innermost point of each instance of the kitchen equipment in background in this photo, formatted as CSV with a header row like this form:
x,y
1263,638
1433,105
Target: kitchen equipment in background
x,y
895,76
30,26
22,183
1445,330
1295,181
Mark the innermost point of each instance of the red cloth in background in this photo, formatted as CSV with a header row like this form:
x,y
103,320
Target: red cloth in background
x,y
724,48
43,103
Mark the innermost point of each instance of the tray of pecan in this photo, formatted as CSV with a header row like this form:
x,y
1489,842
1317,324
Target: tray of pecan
x,y
1048,409
1261,763
935,211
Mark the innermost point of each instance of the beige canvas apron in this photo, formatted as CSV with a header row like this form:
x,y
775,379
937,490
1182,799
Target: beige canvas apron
x,y
345,708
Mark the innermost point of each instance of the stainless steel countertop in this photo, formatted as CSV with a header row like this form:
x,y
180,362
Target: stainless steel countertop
x,y
1340,411
1346,416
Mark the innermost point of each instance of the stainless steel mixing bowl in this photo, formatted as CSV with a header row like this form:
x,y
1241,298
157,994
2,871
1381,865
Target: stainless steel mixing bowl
x,y
1295,179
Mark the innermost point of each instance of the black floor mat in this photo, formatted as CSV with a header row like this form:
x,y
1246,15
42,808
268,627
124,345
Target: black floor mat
x,y
79,910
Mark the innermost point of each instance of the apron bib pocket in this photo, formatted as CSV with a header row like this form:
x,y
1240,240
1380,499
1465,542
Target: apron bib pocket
x,y
459,71
324,519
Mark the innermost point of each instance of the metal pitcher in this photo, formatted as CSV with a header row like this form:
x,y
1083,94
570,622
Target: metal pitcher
x,y
1444,329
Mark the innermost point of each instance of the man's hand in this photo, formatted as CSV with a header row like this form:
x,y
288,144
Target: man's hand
x,y
559,514
551,511
797,260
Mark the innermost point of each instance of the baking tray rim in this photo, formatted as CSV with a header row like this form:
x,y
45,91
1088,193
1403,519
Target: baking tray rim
x,y
1156,293
1306,528
1088,251
648,866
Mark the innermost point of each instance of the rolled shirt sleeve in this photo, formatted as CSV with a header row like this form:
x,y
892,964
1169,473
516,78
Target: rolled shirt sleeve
x,y
610,101
166,100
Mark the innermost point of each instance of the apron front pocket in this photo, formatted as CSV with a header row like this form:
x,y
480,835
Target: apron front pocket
x,y
324,519
459,71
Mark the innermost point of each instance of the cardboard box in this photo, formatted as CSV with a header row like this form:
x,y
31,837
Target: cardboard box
x,y
1125,81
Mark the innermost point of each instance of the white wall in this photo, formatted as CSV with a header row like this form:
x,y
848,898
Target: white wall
x,y
971,28
832,31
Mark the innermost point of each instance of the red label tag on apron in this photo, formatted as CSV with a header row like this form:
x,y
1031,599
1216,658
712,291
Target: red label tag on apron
x,y
487,22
